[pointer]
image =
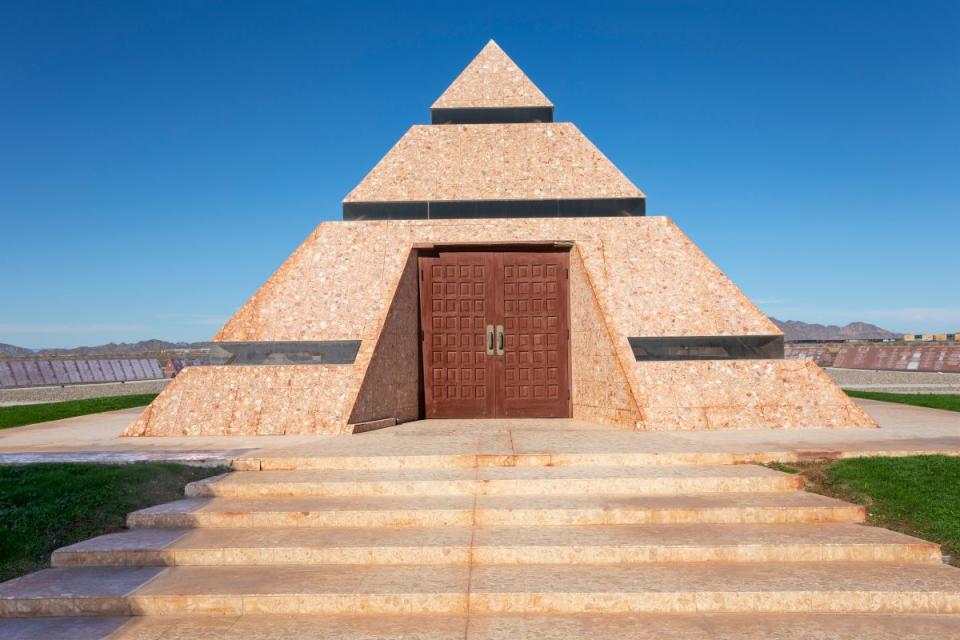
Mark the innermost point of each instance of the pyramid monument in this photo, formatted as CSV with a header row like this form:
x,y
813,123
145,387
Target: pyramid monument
x,y
495,264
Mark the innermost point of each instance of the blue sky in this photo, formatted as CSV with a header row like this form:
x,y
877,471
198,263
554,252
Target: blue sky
x,y
158,160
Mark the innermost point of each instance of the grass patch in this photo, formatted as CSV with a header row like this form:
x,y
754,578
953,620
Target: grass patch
x,y
46,506
917,495
947,401
23,414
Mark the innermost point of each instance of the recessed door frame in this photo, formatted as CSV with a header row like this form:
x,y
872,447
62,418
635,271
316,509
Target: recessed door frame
x,y
494,367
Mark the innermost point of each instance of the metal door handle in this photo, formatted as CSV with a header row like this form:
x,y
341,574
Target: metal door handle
x,y
489,339
499,339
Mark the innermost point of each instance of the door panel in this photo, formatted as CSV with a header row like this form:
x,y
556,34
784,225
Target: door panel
x,y
533,373
521,368
454,292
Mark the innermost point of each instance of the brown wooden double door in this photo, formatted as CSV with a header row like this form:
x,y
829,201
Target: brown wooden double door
x,y
496,333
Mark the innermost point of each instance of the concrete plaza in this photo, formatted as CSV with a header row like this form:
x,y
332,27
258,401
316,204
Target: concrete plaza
x,y
903,430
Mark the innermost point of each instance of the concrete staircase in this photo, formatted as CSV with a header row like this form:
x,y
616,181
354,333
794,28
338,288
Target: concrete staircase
x,y
498,547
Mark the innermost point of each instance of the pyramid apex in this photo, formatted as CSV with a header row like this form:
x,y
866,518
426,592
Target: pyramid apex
x,y
492,81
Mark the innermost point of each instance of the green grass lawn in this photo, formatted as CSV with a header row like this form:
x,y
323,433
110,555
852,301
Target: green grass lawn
x,y
46,506
948,401
918,495
23,414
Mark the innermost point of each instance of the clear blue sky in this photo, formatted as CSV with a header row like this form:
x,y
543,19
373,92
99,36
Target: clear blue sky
x,y
158,160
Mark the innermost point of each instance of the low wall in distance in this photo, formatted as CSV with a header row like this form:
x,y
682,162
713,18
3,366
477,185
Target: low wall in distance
x,y
895,381
940,357
31,395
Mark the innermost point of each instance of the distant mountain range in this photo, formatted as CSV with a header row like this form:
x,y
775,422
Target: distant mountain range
x,y
110,349
796,330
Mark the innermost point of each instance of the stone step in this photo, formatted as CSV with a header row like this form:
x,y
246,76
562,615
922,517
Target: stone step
x,y
707,626
621,544
270,461
655,480
834,587
491,511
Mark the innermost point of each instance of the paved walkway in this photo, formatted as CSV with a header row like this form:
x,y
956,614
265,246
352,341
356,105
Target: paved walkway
x,y
96,438
903,429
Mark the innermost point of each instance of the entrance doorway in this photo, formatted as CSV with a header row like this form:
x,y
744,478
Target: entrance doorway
x,y
495,333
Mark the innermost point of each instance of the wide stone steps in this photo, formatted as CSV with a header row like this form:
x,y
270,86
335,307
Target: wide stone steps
x,y
815,587
496,547
621,544
516,481
494,511
598,626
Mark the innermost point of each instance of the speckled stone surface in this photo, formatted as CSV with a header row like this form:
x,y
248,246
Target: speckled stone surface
x,y
391,386
488,481
251,400
743,394
491,80
780,507
707,626
603,392
338,284
669,587
529,161
585,544
303,627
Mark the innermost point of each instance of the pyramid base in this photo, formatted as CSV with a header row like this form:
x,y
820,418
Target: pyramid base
x,y
628,278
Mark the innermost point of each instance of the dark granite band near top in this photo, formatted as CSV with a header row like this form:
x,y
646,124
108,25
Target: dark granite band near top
x,y
490,115
449,209
707,348
279,353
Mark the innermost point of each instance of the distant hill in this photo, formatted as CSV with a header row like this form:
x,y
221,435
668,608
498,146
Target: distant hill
x,y
796,330
12,350
123,348
110,349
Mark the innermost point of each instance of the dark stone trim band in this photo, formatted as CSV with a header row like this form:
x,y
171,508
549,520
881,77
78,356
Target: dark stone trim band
x,y
280,353
707,348
453,209
491,115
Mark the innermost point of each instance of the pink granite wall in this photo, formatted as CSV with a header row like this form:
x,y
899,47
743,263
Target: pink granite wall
x,y
493,162
650,279
601,392
491,80
250,400
742,394
646,277
391,384
331,288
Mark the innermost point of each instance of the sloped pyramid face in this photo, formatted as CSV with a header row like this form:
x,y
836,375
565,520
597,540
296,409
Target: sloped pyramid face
x,y
493,162
491,80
